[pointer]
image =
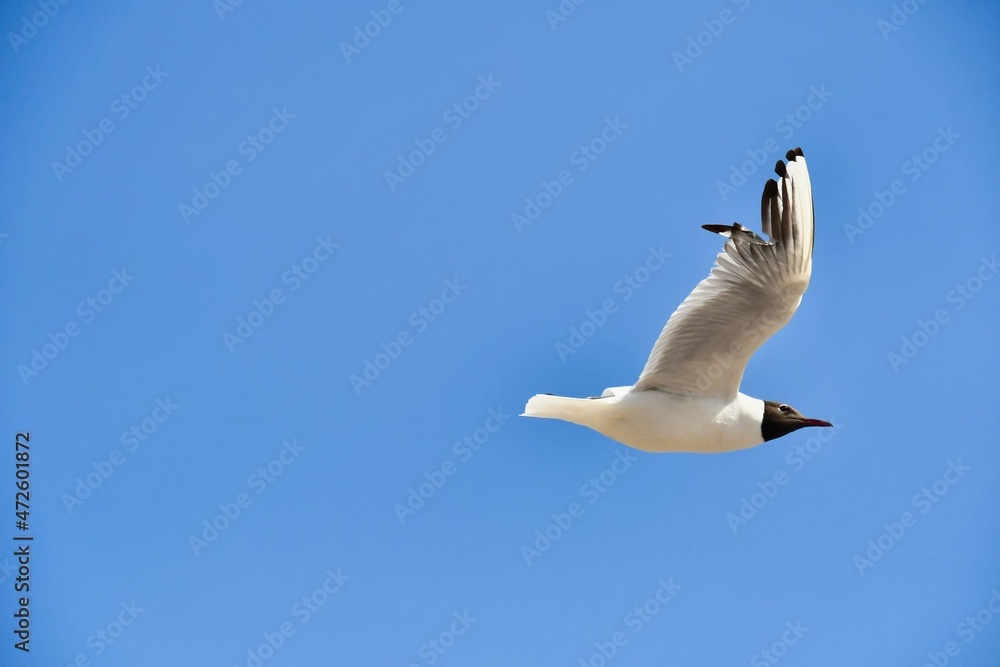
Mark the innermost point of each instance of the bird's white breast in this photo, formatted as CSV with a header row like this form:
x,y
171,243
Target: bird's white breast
x,y
656,421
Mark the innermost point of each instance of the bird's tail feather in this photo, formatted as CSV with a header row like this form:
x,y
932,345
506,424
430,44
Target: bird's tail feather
x,y
548,406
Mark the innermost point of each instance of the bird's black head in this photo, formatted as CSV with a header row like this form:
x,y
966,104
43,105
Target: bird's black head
x,y
780,419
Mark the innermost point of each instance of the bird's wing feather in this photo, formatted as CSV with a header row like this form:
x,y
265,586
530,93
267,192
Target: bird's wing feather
x,y
752,291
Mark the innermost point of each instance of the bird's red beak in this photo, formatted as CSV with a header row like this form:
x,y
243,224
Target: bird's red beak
x,y
815,422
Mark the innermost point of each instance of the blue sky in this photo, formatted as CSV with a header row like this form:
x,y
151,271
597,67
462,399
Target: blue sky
x,y
275,289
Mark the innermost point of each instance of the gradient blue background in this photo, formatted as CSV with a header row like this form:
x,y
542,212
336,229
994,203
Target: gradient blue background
x,y
333,507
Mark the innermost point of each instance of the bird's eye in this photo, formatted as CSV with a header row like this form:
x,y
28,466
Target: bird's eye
x,y
783,407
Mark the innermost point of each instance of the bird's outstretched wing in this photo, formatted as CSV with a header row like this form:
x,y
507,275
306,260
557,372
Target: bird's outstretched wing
x,y
753,290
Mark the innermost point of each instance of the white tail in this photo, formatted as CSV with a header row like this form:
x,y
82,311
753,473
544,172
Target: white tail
x,y
547,406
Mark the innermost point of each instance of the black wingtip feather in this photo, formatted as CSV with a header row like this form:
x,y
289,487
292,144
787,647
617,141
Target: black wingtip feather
x,y
779,168
718,229
793,153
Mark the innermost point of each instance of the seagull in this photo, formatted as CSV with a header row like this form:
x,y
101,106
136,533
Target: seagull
x,y
687,398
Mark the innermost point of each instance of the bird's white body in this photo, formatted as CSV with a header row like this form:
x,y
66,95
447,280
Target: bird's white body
x,y
687,398
658,422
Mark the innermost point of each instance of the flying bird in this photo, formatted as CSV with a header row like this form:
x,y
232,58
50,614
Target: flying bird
x,y
687,398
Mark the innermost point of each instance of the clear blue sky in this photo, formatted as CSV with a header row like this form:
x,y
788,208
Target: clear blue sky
x,y
217,222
